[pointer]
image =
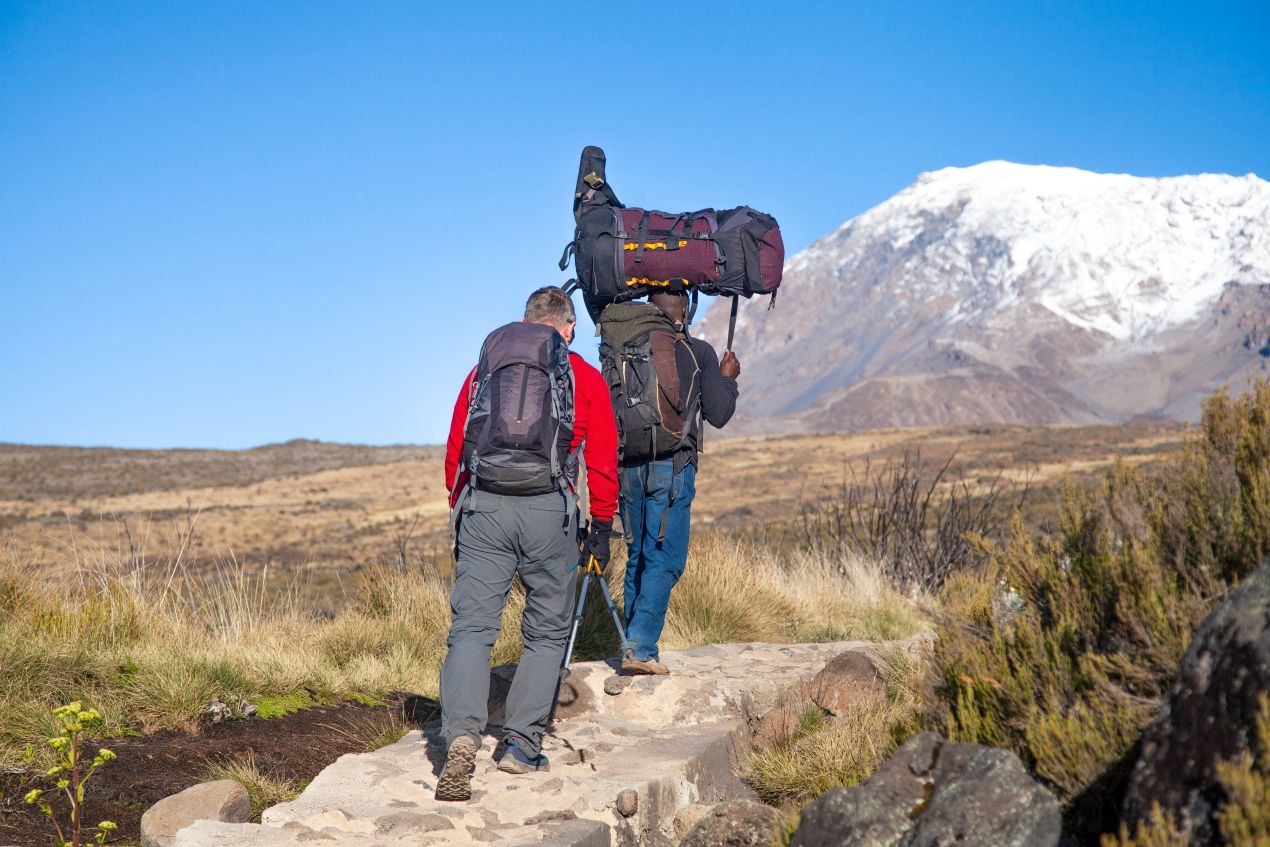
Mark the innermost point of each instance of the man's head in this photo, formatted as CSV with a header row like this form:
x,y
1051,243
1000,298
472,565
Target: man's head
x,y
551,306
673,303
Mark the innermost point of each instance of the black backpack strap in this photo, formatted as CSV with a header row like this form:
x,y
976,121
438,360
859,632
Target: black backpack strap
x,y
692,311
641,234
570,286
569,250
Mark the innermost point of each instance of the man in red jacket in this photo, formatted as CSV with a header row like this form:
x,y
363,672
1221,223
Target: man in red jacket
x,y
536,535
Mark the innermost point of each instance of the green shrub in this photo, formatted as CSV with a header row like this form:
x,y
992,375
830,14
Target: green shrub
x,y
1061,647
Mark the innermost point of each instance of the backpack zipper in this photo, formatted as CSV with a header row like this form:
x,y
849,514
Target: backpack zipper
x,y
524,389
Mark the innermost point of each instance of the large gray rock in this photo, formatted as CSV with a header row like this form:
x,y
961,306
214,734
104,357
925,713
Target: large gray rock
x,y
1209,714
223,800
933,792
741,823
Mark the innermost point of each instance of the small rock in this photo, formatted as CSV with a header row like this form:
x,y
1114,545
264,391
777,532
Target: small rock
x,y
780,723
616,684
246,709
742,823
222,800
848,677
627,802
581,756
219,711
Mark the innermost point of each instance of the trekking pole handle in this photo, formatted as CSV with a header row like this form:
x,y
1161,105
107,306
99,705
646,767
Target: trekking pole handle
x,y
736,303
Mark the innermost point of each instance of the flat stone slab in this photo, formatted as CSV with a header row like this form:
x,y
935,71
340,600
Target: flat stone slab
x,y
673,739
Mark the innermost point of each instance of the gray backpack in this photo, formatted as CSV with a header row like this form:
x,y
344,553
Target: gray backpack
x,y
520,420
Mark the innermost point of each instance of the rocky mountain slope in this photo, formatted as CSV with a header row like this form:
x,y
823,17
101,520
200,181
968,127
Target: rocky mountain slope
x,y
1015,293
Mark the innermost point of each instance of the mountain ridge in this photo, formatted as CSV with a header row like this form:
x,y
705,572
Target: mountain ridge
x,y
1015,294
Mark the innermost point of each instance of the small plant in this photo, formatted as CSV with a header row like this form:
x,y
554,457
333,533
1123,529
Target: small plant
x,y
68,747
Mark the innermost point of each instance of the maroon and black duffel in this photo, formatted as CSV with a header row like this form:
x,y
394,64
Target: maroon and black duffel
x,y
621,253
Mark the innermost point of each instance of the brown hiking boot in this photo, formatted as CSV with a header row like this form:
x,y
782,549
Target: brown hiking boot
x,y
644,666
456,778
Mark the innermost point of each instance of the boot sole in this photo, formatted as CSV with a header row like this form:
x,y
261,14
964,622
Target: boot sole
x,y
456,778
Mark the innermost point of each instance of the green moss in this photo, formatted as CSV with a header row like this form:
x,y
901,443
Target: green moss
x,y
278,705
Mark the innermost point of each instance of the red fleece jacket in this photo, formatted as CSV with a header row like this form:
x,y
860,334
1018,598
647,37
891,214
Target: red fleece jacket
x,y
594,428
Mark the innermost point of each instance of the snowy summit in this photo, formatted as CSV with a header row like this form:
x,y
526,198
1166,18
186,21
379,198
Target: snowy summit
x,y
1053,282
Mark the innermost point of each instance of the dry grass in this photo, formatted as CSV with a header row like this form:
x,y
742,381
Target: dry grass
x,y
151,642
833,752
263,788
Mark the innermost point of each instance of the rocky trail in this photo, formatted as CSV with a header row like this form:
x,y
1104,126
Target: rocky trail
x,y
628,755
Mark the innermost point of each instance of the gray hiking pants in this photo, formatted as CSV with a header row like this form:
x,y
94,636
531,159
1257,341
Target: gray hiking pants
x,y
498,536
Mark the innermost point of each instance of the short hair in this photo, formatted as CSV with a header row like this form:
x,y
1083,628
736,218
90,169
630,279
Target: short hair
x,y
669,301
549,305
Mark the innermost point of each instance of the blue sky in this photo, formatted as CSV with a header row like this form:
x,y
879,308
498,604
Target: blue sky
x,y
229,224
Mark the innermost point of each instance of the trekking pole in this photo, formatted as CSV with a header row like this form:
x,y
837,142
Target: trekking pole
x,y
593,569
736,302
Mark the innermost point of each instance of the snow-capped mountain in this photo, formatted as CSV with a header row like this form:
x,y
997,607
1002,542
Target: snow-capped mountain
x,y
1006,292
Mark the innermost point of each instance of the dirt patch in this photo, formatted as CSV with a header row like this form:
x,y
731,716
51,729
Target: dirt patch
x,y
294,748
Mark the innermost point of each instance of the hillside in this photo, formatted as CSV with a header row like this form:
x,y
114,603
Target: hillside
x,y
1015,293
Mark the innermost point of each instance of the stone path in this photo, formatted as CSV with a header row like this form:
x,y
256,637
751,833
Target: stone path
x,y
673,740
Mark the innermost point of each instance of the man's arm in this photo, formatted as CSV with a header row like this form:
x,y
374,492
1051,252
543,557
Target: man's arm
x,y
718,392
454,444
596,428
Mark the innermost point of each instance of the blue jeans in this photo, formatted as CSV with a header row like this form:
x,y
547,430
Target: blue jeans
x,y
653,567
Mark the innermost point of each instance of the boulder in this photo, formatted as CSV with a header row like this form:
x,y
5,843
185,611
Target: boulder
x,y
689,816
933,792
741,823
845,680
1209,714
223,800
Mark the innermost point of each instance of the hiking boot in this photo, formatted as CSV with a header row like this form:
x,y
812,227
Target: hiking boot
x,y
456,778
516,760
644,667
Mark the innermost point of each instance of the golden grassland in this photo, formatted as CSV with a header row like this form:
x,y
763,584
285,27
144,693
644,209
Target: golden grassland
x,y
151,644
333,508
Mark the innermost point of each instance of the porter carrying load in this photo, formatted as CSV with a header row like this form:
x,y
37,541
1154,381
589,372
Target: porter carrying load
x,y
621,253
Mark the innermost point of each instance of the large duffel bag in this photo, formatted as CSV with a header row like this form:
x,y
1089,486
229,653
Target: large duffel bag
x,y
621,253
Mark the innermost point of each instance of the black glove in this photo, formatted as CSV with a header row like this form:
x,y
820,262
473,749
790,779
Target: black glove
x,y
597,541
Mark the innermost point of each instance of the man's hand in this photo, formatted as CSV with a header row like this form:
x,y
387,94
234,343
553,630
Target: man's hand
x,y
730,367
597,541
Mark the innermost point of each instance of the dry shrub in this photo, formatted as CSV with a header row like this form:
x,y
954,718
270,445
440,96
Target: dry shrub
x,y
918,524
1062,647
